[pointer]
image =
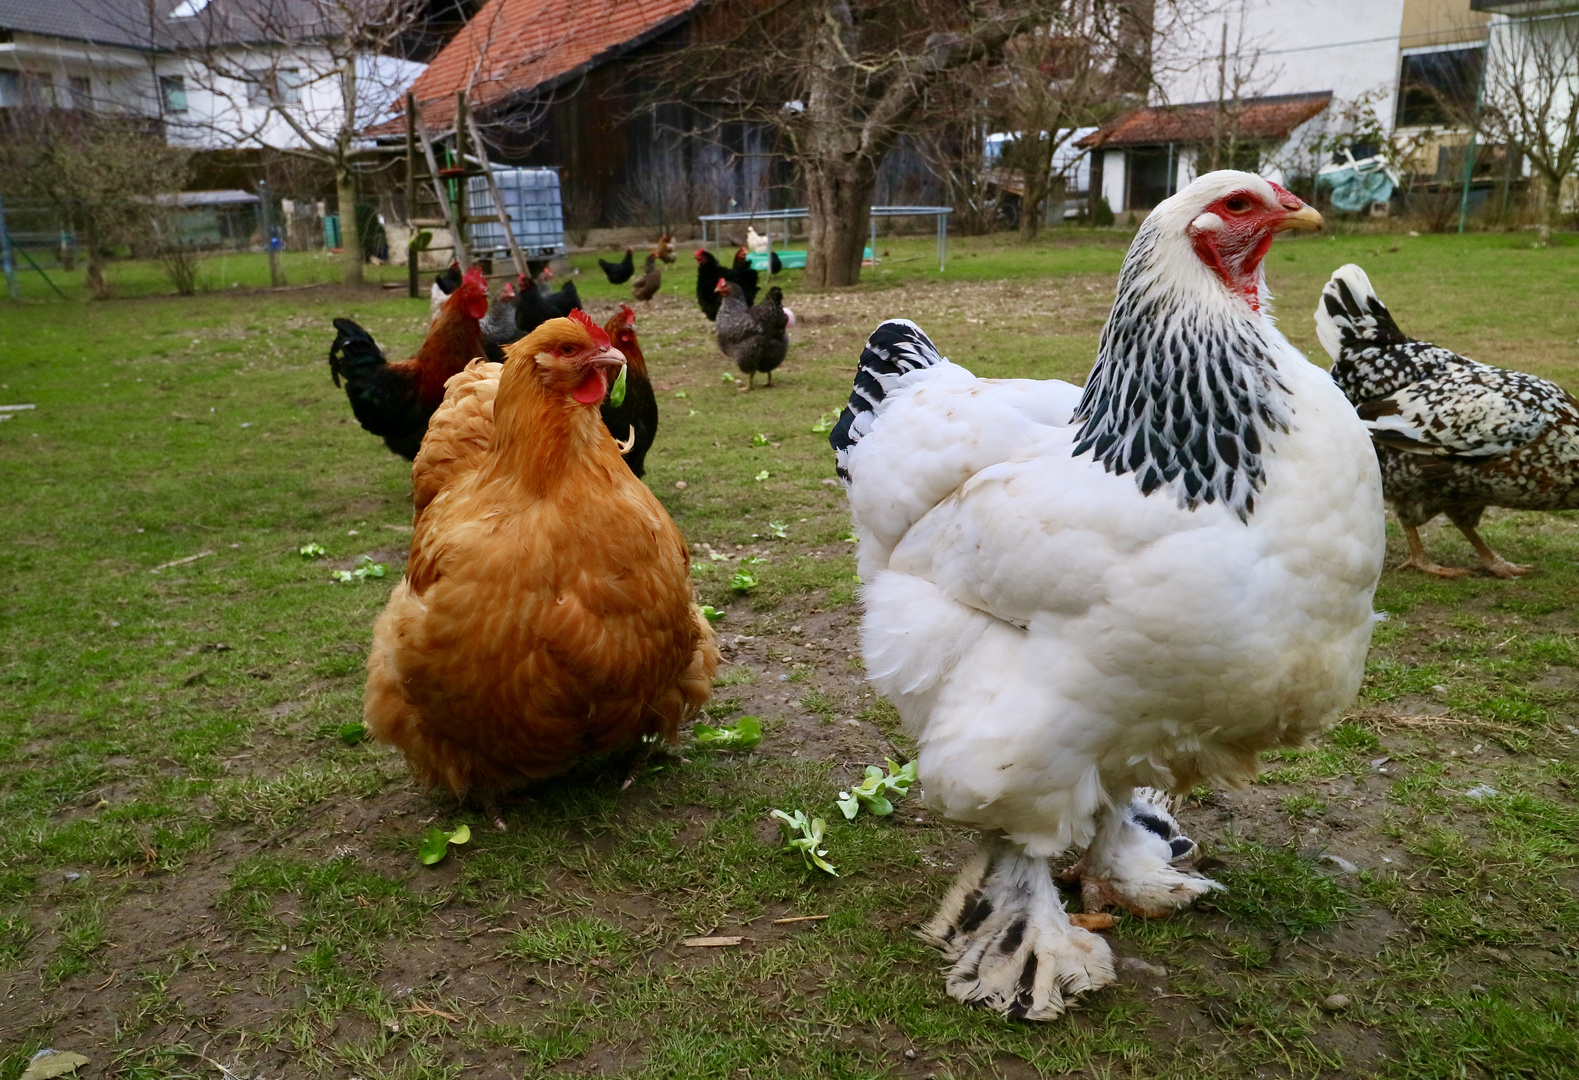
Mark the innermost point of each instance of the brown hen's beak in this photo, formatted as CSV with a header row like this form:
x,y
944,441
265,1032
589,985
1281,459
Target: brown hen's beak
x,y
610,361
1305,219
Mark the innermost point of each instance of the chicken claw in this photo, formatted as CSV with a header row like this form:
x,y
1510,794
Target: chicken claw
x,y
1139,861
1009,944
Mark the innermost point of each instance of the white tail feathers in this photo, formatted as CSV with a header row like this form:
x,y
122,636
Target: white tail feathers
x,y
1350,314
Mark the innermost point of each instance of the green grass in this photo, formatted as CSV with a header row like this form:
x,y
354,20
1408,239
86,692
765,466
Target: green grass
x,y
196,868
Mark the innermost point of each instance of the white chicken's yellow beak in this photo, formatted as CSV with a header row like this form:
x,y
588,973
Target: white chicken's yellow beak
x,y
1305,219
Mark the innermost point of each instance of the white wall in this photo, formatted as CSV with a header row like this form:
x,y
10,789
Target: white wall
x,y
1295,46
1113,177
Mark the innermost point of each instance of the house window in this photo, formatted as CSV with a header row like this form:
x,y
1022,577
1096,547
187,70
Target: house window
x,y
1439,87
1148,177
81,92
282,87
10,89
172,88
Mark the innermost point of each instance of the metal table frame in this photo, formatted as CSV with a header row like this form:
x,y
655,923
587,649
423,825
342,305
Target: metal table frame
x,y
766,216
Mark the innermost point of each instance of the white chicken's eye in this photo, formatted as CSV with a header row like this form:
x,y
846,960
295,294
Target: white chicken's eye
x,y
1237,204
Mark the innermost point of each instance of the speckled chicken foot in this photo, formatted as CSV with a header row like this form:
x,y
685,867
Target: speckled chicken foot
x,y
1140,861
1493,563
1417,558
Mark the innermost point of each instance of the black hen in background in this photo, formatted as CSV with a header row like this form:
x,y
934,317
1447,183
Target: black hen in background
x,y
535,305
637,416
744,275
708,274
620,272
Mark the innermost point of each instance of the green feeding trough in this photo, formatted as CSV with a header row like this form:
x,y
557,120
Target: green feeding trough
x,y
796,260
788,260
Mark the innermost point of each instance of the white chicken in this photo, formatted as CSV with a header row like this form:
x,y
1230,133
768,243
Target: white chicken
x,y
758,243
1079,600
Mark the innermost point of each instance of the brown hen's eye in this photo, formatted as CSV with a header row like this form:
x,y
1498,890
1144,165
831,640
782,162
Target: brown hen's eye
x,y
1237,205
566,349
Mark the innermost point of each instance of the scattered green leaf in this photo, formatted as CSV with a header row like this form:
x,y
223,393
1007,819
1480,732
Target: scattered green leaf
x,y
743,734
763,475
878,790
759,439
367,569
312,551
712,614
617,391
727,377
351,734
743,581
436,843
805,835
681,394
825,423
779,530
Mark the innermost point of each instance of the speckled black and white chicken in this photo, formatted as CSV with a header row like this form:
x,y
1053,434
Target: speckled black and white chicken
x,y
1080,600
1453,435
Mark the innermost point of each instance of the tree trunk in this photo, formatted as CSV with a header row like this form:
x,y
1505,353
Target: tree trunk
x,y
350,242
1551,205
839,195
98,288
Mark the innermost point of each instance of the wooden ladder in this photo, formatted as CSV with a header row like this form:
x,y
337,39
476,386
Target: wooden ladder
x,y
424,178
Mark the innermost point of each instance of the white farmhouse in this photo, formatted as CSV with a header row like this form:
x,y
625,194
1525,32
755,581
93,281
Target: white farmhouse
x,y
1261,79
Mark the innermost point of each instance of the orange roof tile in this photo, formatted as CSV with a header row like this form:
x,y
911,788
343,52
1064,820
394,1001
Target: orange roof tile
x,y
512,46
1259,118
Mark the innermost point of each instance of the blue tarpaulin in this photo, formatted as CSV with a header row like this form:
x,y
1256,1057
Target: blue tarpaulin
x,y
1358,185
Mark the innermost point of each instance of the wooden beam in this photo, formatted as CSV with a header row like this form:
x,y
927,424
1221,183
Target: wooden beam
x,y
493,188
411,192
462,253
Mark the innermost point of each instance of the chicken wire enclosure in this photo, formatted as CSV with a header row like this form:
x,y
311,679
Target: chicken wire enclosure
x,y
532,199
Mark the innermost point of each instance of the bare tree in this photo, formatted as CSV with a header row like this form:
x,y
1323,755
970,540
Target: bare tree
x,y
1530,98
837,82
952,139
1090,61
306,77
1242,74
100,172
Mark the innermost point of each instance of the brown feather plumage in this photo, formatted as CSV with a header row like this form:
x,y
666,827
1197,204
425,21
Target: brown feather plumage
x,y
547,610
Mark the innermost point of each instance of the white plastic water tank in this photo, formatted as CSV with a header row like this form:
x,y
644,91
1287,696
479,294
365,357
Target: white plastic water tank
x,y
536,211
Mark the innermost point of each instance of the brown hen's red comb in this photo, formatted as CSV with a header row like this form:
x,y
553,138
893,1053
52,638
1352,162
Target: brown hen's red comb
x,y
630,316
599,338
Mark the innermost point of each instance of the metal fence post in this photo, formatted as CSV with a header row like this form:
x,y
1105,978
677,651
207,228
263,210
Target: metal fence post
x,y
268,232
5,258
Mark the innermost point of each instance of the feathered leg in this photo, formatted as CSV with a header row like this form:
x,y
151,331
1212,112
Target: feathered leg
x,y
1010,947
1135,859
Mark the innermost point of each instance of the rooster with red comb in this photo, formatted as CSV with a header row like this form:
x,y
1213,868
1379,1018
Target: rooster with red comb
x,y
394,401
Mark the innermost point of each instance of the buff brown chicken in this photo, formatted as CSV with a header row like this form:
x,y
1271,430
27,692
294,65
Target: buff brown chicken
x,y
546,613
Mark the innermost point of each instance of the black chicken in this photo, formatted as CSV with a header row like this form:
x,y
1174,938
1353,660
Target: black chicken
x,y
708,274
535,305
755,338
745,275
620,272
635,420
